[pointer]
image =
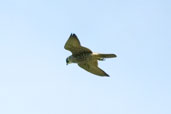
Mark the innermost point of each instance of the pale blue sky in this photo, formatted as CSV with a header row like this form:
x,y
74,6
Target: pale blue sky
x,y
34,78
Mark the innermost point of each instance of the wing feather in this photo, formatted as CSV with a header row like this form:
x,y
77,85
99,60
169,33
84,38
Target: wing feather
x,y
92,67
73,44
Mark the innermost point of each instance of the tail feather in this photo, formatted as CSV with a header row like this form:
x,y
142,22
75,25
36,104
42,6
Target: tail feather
x,y
99,55
107,55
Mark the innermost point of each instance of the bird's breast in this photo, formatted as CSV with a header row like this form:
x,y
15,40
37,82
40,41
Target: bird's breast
x,y
82,57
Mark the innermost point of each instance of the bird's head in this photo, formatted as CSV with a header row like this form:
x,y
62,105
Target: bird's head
x,y
68,61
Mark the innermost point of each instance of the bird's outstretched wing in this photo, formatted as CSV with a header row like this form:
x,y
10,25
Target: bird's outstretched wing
x,y
74,45
92,67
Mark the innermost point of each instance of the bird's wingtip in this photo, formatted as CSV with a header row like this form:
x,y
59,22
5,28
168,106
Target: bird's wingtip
x,y
107,75
73,35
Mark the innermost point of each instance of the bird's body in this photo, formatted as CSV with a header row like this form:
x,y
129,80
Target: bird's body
x,y
79,58
84,57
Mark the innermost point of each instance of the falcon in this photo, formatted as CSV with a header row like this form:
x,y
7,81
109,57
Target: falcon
x,y
84,57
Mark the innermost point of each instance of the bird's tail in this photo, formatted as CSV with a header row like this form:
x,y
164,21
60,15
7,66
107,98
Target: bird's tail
x,y
102,56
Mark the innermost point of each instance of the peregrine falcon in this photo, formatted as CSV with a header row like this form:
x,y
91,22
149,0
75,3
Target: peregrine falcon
x,y
84,57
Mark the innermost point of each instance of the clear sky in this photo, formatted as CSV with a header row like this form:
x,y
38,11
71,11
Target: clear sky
x,y
34,78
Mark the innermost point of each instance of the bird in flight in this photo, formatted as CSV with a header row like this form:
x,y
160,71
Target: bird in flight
x,y
84,57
